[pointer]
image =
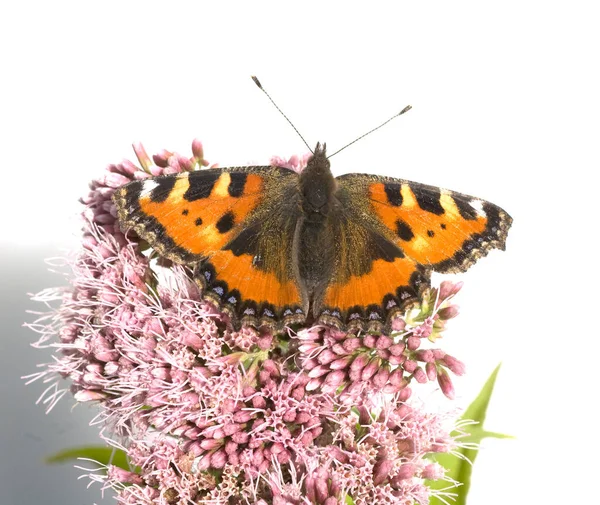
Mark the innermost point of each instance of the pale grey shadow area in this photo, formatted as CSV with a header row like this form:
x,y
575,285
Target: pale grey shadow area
x,y
27,434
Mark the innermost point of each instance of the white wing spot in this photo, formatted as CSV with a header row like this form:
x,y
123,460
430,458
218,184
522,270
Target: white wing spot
x,y
147,187
478,206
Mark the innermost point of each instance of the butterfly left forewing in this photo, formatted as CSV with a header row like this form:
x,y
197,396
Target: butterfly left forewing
x,y
226,223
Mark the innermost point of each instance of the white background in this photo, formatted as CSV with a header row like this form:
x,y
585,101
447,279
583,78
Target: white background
x,y
506,107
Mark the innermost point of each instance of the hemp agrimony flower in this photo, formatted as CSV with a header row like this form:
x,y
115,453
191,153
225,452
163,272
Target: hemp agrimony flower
x,y
210,415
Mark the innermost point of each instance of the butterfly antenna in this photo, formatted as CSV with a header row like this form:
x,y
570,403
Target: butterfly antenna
x,y
257,82
406,109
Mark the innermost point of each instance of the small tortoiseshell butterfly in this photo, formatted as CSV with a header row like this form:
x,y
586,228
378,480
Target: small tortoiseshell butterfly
x,y
273,247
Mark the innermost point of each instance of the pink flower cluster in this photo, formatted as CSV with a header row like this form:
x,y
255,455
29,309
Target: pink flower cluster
x,y
208,415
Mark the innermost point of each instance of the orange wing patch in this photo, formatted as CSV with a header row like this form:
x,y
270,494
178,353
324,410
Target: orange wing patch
x,y
442,229
375,297
263,288
372,287
196,221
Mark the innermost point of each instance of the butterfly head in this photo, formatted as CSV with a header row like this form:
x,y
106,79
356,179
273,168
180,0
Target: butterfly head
x,y
317,185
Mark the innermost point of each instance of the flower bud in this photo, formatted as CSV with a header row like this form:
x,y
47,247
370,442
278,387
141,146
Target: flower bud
x,y
404,394
431,371
351,344
420,376
449,288
142,157
309,364
396,377
209,444
115,180
298,393
398,324
425,355
121,475
445,383
413,343
409,365
448,312
197,149
381,377
381,471
230,429
218,459
370,341
341,363
326,357
303,417
383,354
339,350
240,437
360,362
314,384
270,366
370,370
322,490
307,347
456,366
309,486
383,342
335,378
406,471
318,371
258,402
396,360
283,457
242,416
289,416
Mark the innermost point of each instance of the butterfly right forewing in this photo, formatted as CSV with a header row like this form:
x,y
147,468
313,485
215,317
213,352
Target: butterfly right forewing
x,y
443,230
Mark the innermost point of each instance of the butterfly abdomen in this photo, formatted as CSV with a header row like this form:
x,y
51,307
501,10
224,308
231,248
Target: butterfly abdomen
x,y
316,257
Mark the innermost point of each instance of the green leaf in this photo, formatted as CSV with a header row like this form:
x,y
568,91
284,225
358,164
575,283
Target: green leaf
x,y
460,468
104,455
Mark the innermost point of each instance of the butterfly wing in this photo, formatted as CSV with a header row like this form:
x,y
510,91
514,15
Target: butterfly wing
x,y
422,228
372,279
227,223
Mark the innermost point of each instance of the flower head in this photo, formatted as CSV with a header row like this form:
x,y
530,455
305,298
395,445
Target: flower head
x,y
211,415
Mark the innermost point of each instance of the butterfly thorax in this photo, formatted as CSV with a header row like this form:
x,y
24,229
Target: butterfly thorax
x,y
317,186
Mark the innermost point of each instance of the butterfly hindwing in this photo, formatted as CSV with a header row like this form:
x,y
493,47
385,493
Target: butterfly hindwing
x,y
227,223
372,279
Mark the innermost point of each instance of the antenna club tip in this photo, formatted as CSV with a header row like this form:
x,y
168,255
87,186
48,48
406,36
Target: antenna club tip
x,y
256,81
406,109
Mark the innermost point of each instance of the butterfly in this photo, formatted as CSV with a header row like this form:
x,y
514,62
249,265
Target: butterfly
x,y
275,248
